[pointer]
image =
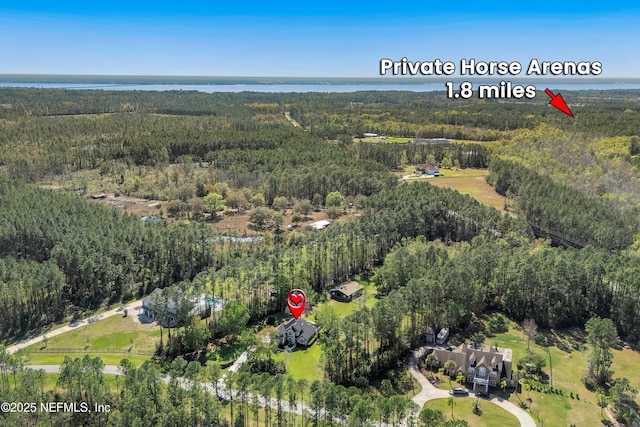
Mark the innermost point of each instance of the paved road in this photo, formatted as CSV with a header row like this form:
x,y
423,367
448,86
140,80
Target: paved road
x,y
222,389
79,324
429,391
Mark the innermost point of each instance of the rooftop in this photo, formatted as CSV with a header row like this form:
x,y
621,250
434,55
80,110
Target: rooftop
x,y
348,288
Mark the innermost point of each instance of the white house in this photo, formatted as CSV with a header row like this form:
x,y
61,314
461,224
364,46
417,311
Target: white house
x,y
191,305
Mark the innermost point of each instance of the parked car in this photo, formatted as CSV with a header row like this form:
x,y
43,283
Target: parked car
x,y
224,398
459,391
442,337
482,394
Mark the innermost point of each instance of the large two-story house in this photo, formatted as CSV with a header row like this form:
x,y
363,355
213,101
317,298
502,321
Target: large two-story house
x,y
156,302
296,332
481,365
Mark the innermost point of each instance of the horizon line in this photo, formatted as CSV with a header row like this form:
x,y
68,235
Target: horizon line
x,y
381,78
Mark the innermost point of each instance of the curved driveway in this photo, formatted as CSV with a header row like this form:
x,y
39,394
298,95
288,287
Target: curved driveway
x,y
79,324
429,392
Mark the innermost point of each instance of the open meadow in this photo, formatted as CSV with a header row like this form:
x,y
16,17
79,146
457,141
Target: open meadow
x,y
112,339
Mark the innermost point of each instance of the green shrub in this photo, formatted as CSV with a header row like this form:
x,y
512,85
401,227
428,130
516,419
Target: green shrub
x,y
498,324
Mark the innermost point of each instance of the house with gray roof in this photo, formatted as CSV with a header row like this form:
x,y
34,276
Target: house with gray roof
x,y
481,365
175,307
346,292
296,332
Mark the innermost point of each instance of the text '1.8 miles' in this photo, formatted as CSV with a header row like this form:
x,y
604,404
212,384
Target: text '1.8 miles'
x,y
502,90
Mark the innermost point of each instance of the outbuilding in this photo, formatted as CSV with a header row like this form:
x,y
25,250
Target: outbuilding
x,y
346,292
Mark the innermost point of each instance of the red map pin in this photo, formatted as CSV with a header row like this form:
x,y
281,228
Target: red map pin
x,y
558,102
296,300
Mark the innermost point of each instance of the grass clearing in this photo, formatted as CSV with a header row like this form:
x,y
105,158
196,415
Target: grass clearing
x,y
475,186
492,415
466,181
344,309
384,140
57,359
569,358
463,173
124,335
303,364
117,332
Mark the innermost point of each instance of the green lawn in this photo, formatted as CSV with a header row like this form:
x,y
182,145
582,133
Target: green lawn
x,y
120,333
492,415
303,364
568,367
625,365
117,332
57,359
343,309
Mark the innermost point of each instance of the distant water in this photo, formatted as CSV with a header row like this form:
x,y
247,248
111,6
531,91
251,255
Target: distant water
x,y
331,87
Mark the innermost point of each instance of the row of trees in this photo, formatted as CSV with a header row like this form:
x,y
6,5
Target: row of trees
x,y
425,286
396,155
60,255
560,212
142,397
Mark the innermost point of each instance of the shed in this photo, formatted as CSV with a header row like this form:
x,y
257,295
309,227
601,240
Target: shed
x,y
346,292
320,225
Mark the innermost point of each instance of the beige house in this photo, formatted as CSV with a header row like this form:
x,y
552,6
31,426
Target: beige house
x,y
483,365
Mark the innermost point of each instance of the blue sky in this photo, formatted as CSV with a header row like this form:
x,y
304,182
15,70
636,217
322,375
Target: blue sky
x,y
331,39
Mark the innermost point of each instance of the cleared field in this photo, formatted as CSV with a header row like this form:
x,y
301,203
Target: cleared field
x,y
118,332
568,367
473,183
343,309
492,415
384,140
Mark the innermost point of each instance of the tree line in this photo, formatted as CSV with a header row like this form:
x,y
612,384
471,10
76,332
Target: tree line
x,y
562,211
426,284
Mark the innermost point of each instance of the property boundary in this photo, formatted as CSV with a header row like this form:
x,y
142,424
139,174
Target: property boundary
x,y
91,350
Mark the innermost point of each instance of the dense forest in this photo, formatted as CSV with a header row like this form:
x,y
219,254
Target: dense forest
x,y
436,257
425,285
562,212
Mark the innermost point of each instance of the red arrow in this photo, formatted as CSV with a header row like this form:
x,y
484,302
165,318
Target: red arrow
x,y
558,102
